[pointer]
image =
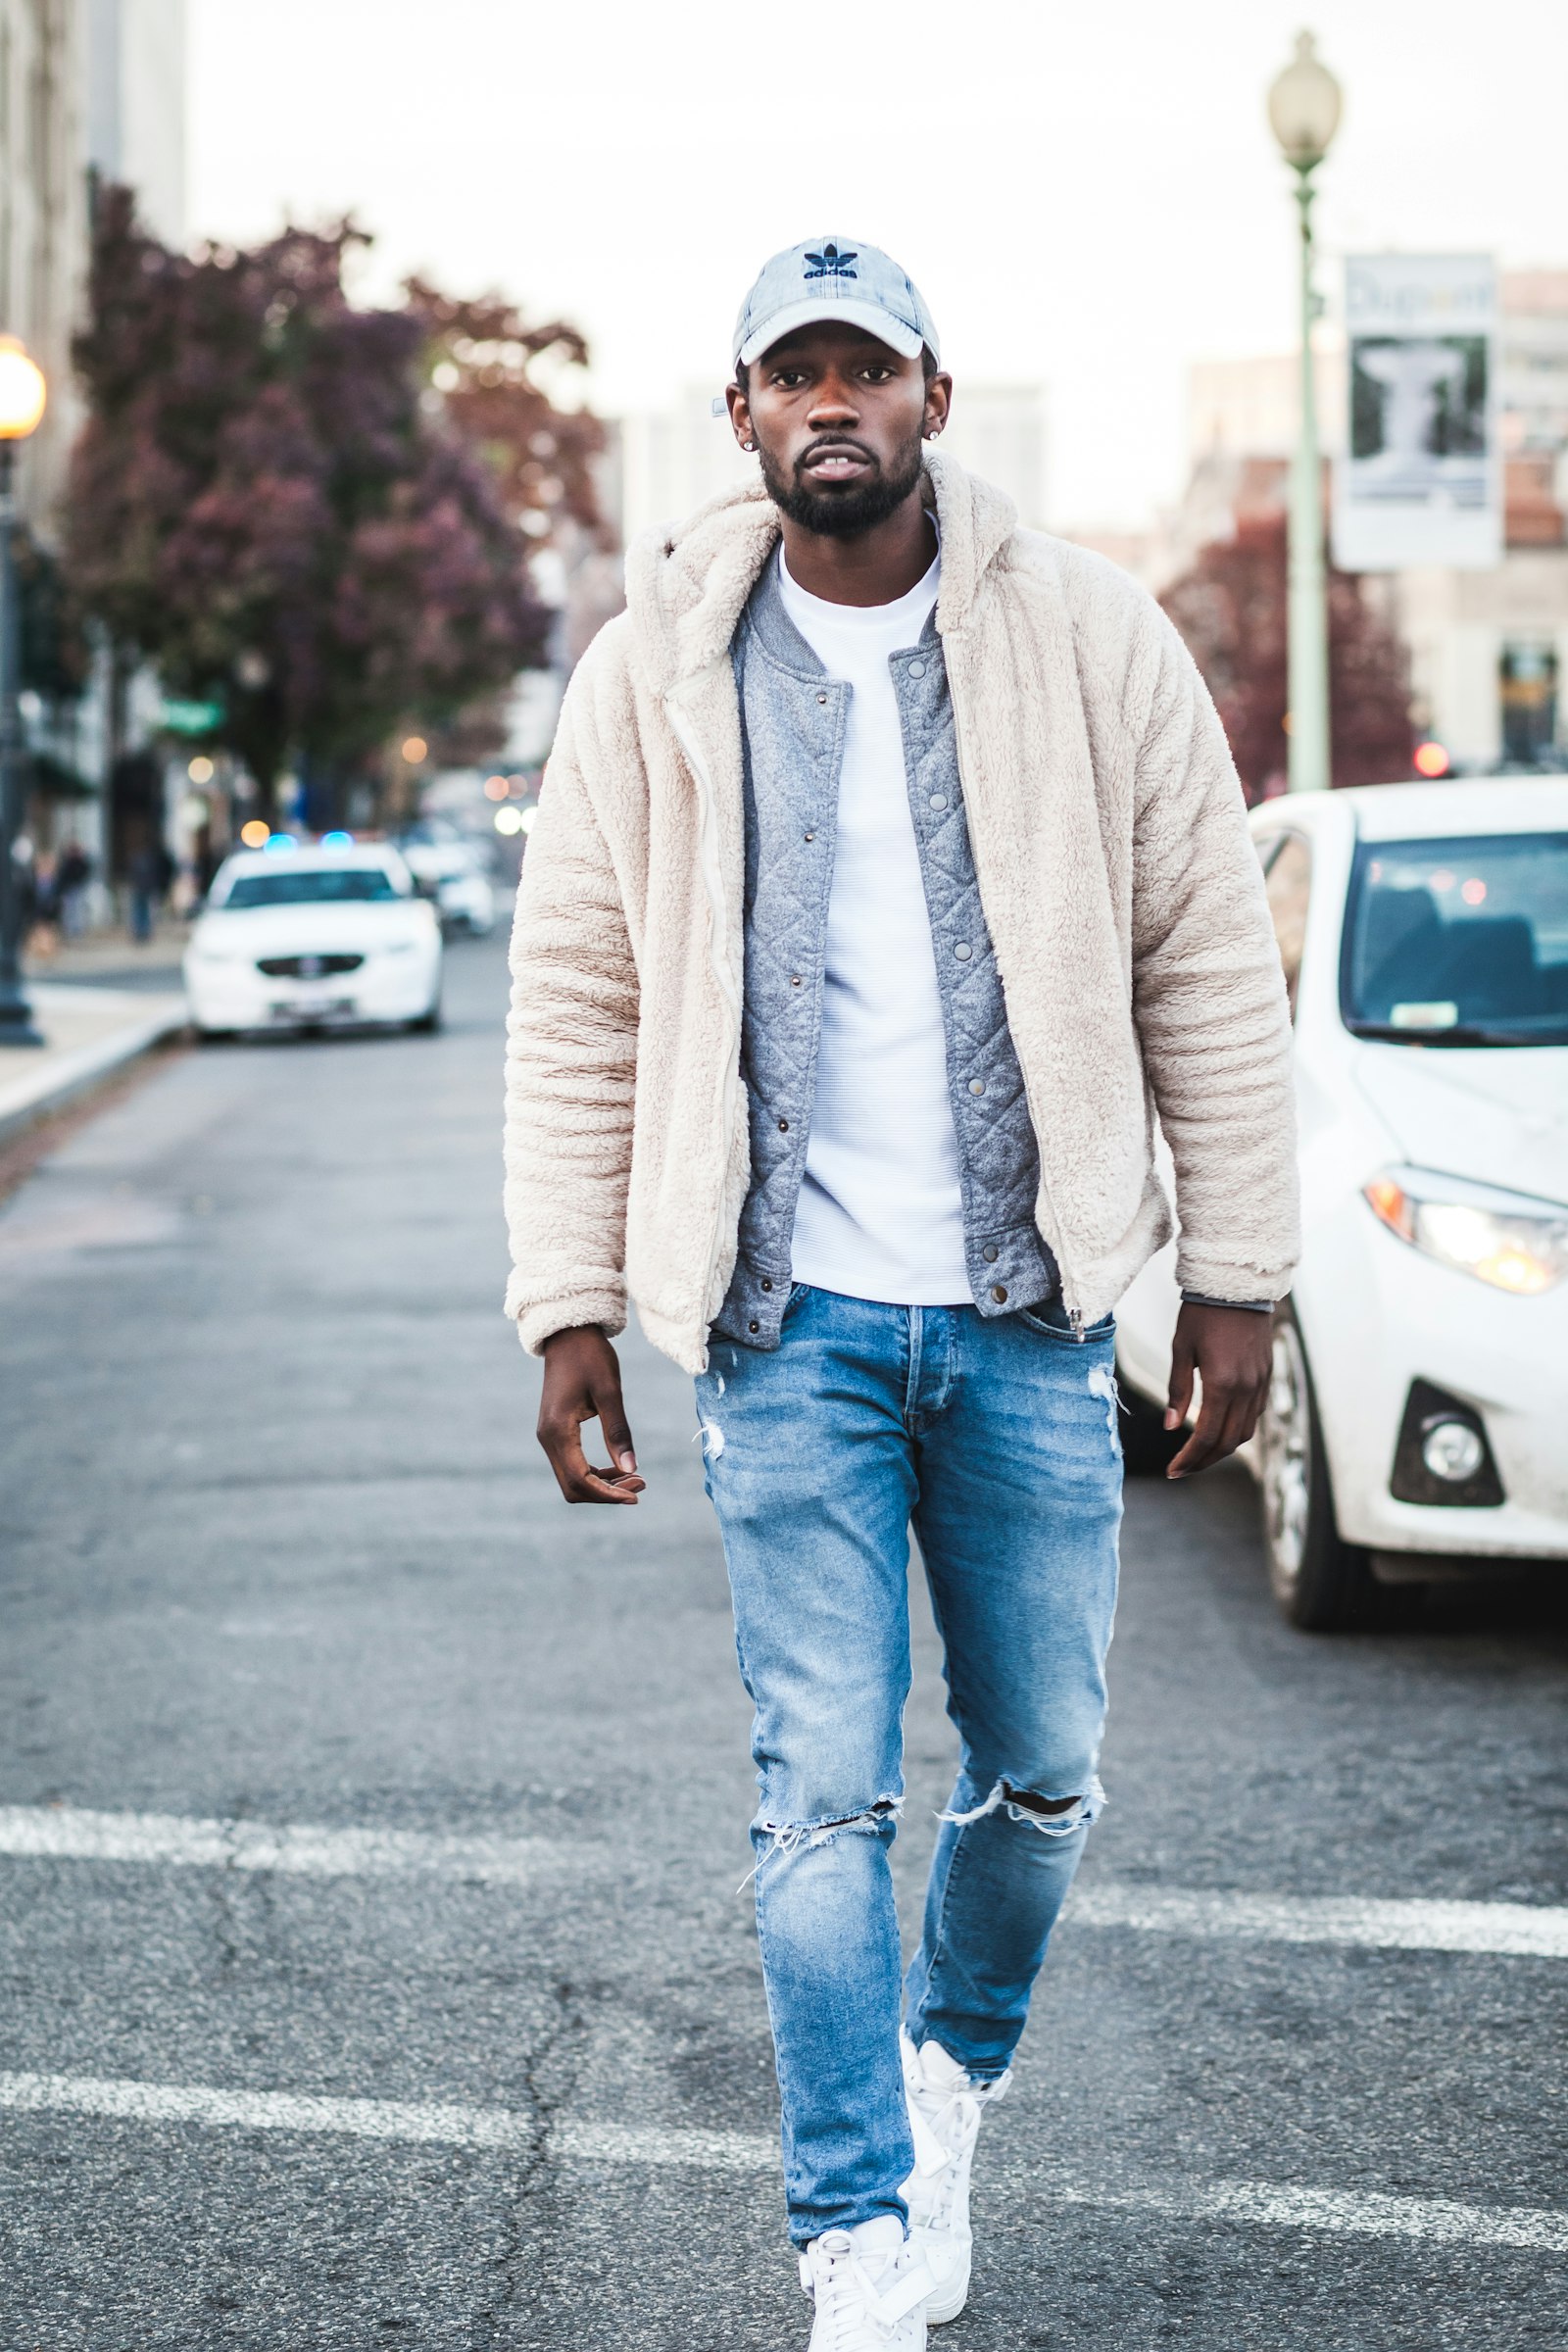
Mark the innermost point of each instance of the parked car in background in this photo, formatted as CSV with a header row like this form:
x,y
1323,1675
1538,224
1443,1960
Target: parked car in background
x,y
1419,1400
292,937
453,871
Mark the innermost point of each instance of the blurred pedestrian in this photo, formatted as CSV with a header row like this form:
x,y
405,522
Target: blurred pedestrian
x,y
858,747
43,934
149,874
72,874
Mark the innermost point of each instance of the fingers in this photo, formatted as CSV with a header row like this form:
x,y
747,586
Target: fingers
x,y
1179,1402
582,1383
1225,1352
612,1417
578,1478
1226,1419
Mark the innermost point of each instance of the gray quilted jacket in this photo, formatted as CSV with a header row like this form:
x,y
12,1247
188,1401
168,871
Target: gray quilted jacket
x,y
794,719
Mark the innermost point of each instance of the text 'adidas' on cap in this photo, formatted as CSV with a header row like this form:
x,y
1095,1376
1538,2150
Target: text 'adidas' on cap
x,y
834,277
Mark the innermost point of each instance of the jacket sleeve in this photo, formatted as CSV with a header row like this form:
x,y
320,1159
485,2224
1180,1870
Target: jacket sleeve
x,y
1208,996
571,1064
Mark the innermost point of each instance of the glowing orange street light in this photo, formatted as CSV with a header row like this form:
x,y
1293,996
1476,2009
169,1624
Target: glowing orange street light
x,y
23,394
1431,759
414,748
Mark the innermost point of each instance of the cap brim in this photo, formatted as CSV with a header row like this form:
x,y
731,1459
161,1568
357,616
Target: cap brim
x,y
906,341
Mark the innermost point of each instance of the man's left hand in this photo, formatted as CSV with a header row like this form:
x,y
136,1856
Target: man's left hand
x,y
1231,1349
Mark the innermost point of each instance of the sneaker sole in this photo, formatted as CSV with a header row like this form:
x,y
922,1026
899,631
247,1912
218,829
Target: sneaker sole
x,y
947,2304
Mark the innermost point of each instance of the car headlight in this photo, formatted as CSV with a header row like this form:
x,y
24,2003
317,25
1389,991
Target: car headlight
x,y
1508,1239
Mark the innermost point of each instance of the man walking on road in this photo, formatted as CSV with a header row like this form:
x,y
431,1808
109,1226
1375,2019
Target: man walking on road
x,y
890,875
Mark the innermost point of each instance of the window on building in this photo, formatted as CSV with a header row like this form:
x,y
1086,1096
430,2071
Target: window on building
x,y
1528,687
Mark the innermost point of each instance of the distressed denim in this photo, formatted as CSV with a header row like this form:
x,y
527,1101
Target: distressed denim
x,y
997,1441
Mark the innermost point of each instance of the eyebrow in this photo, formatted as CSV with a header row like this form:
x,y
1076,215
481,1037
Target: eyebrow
x,y
783,356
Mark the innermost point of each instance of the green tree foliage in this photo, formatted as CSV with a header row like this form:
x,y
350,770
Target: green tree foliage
x,y
269,503
1232,609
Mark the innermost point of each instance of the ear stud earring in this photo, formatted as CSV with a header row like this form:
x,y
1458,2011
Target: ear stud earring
x,y
748,444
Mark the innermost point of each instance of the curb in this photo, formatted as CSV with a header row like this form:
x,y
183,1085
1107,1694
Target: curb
x,y
32,1094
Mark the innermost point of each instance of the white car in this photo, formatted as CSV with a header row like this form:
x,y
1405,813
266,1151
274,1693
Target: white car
x,y
1419,1404
300,938
451,870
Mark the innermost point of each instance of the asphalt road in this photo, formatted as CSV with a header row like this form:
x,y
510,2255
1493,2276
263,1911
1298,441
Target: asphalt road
x,y
279,1553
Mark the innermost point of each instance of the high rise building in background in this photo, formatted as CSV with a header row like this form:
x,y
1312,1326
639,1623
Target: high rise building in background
x,y
85,87
135,106
43,217
90,91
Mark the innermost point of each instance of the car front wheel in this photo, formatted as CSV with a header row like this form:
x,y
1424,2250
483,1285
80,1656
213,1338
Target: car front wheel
x,y
1321,1583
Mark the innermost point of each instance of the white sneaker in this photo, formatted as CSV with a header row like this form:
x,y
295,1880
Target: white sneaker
x,y
869,2288
945,2119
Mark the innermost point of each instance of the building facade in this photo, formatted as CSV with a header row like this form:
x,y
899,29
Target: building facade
x,y
1489,649
135,106
43,220
90,90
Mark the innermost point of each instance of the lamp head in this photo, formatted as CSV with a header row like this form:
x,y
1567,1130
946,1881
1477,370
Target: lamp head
x,y
1303,106
23,391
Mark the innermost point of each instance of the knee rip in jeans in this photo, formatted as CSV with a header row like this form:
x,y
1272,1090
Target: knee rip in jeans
x,y
787,1838
1052,1815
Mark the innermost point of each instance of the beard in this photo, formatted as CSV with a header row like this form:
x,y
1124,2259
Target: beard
x,y
844,514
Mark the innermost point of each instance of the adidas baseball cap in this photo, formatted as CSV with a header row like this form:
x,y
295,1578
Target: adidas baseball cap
x,y
833,277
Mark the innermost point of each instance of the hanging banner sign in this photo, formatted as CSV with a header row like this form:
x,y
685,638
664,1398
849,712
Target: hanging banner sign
x,y
1421,480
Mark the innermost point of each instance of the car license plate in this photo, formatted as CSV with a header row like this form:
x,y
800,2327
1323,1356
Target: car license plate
x,y
308,1009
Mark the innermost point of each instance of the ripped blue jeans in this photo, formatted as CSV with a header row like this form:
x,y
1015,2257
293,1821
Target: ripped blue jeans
x,y
996,1440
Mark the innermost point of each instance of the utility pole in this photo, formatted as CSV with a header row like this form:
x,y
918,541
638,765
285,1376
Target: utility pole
x,y
1303,107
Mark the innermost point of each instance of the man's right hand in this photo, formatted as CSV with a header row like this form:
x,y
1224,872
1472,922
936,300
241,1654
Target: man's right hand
x,y
582,1383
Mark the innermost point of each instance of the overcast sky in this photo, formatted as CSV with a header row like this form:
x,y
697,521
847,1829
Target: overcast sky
x,y
1084,190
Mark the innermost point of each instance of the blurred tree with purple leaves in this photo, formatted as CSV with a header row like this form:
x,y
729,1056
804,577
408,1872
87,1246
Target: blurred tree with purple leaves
x,y
1233,609
273,502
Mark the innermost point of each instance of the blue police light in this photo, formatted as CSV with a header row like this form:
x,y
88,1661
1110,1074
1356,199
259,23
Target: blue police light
x,y
337,840
281,841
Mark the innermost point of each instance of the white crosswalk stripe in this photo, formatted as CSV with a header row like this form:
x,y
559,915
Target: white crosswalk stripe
x,y
1522,1931
1245,2203
68,1833
71,1834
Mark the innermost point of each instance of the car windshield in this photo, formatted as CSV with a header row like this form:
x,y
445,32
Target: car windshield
x,y
311,886
1459,941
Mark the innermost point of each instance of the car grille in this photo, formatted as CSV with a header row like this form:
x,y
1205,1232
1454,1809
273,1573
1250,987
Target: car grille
x,y
307,967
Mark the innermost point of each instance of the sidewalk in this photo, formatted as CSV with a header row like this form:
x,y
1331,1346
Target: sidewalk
x,y
114,960
89,1032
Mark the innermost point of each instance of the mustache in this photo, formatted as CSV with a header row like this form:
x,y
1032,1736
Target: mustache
x,y
837,444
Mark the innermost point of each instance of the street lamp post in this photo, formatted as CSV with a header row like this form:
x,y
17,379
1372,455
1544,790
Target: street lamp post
x,y
22,393
1303,110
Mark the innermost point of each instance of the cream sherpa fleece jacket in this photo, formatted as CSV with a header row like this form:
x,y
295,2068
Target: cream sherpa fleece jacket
x,y
1120,885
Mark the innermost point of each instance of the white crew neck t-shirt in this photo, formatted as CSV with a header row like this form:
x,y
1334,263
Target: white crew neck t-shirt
x,y
880,1213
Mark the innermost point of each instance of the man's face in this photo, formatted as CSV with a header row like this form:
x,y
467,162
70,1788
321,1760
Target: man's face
x,y
838,419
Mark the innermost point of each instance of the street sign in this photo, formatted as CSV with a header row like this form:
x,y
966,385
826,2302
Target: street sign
x,y
1421,480
182,718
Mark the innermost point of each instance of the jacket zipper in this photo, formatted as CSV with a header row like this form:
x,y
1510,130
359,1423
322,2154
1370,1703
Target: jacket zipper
x,y
713,883
1074,1313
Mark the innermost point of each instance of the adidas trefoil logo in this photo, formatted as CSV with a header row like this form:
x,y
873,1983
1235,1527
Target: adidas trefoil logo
x,y
830,262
